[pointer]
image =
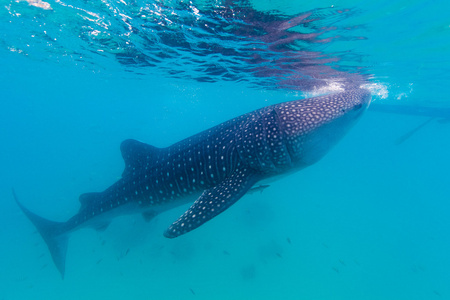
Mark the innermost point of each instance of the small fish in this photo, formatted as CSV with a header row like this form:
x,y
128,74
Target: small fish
x,y
225,252
289,241
342,262
192,291
437,293
42,255
279,255
123,254
335,269
99,261
259,188
44,266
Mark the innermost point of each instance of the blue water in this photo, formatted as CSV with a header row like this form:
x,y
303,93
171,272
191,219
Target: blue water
x,y
369,221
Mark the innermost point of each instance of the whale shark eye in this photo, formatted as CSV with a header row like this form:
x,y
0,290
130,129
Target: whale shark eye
x,y
357,107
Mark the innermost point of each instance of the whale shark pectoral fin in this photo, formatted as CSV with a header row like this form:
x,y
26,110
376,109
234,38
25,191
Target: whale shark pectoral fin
x,y
214,201
137,155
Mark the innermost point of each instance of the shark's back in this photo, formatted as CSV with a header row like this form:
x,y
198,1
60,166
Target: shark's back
x,y
213,152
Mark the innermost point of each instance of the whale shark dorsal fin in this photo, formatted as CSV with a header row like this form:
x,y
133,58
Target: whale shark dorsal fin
x,y
214,201
137,155
87,199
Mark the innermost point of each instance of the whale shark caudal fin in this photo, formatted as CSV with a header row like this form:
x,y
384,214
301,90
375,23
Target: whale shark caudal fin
x,y
53,235
214,201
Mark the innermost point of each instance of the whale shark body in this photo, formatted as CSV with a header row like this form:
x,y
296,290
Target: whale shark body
x,y
215,167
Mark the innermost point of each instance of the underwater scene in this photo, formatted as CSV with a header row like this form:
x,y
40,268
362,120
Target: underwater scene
x,y
224,149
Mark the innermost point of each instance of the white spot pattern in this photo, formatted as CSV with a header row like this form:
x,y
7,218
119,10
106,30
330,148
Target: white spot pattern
x,y
265,142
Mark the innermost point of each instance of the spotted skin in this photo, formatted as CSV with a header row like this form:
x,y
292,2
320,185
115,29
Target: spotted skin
x,y
216,167
213,201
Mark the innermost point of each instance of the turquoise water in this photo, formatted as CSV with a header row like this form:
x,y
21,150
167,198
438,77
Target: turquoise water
x,y
369,221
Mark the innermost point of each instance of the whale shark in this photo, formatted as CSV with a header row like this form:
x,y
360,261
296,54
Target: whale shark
x,y
213,169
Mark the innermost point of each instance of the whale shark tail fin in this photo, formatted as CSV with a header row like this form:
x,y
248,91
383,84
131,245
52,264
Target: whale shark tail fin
x,y
53,234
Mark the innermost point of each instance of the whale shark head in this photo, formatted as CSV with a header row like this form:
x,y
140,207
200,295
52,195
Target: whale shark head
x,y
314,125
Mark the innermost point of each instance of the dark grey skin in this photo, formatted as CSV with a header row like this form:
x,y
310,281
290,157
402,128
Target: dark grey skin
x,y
216,167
